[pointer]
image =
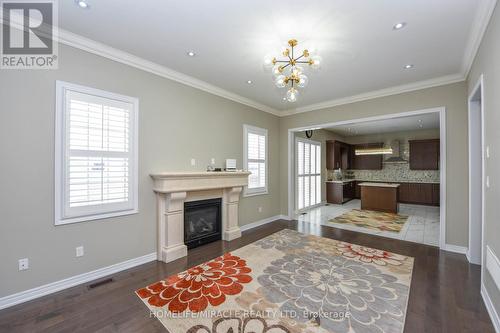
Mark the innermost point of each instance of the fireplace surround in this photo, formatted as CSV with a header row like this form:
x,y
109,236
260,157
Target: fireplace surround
x,y
174,189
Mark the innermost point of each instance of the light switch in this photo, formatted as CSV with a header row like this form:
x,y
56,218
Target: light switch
x,y
488,181
193,162
487,151
79,251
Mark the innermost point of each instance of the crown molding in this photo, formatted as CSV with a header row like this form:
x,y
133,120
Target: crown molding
x,y
481,20
91,46
479,26
440,81
100,49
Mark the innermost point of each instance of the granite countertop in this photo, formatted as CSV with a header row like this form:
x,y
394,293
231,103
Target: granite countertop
x,y
379,185
341,181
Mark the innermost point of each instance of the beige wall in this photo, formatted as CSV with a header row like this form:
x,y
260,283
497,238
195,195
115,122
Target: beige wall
x,y
487,62
176,123
322,136
452,96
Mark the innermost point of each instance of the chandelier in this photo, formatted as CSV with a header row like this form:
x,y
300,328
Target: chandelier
x,y
288,72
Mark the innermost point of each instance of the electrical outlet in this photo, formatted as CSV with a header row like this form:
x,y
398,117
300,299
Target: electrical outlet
x,y
79,251
193,162
487,151
212,161
24,264
260,209
488,181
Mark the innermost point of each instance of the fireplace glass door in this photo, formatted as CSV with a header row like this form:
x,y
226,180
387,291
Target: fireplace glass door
x,y
202,222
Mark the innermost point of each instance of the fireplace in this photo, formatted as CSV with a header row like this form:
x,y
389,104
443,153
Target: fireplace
x,y
202,222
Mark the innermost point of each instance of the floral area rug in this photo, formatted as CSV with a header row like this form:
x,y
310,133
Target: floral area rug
x,y
372,220
287,282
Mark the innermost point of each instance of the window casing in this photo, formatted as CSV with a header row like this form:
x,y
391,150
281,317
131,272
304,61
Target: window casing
x,y
255,159
96,154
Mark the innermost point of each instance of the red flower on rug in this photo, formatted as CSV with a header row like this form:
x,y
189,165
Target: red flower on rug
x,y
199,286
367,254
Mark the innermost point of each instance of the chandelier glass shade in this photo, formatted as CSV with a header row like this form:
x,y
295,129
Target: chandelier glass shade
x,y
288,71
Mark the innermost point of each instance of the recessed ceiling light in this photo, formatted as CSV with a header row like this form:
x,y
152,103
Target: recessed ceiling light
x,y
82,4
409,66
191,54
399,25
249,82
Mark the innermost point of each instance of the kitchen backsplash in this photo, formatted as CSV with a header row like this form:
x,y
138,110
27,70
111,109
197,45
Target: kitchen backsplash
x,y
393,172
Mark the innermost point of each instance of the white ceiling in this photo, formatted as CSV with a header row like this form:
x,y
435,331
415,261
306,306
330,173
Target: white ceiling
x,y
361,52
401,124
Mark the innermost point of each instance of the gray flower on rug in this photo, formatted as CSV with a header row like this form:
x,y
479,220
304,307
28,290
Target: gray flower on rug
x,y
347,295
283,240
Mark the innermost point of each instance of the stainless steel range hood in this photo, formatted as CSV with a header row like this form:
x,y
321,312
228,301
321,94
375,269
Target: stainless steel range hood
x,y
397,154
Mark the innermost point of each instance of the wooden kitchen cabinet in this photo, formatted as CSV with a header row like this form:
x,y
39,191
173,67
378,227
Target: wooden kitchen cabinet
x,y
436,195
366,162
357,190
339,193
338,155
419,193
424,154
404,192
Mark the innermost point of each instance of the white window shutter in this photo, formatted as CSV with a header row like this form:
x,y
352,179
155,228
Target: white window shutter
x,y
97,139
255,159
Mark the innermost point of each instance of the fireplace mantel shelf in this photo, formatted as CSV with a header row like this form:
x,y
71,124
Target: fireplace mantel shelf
x,y
168,182
173,189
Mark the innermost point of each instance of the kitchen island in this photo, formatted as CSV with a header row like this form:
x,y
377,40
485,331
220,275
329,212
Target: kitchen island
x,y
381,197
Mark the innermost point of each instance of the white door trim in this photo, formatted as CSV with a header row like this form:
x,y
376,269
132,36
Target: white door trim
x,y
442,169
479,87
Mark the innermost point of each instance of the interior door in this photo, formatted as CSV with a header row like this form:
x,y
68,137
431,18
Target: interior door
x,y
308,180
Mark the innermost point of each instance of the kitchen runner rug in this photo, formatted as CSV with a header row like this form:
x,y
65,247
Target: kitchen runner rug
x,y
288,282
372,220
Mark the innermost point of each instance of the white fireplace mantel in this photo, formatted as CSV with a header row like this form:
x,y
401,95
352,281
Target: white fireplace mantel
x,y
174,188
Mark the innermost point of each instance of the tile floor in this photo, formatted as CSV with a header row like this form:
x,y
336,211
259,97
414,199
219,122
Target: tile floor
x,y
422,225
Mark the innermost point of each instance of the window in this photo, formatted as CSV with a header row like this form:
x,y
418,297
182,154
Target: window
x,y
96,154
308,173
255,159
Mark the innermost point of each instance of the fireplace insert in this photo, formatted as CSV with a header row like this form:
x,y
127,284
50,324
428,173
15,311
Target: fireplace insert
x,y
202,222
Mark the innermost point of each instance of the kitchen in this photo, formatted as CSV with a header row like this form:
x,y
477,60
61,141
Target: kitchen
x,y
382,177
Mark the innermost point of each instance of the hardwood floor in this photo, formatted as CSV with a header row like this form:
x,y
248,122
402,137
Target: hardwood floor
x,y
444,294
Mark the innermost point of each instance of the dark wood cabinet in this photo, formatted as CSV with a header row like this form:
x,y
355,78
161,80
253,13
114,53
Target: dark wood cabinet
x,y
411,193
338,155
366,162
357,190
419,193
424,154
404,192
436,195
339,193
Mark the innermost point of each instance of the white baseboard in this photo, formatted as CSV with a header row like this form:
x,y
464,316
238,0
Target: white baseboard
x,y
455,248
27,295
53,287
264,221
490,308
